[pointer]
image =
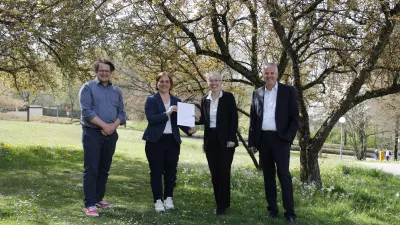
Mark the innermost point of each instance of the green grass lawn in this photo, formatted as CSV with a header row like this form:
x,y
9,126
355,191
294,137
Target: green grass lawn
x,y
41,174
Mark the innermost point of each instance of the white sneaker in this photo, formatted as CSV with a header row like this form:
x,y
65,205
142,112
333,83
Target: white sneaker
x,y
159,206
169,204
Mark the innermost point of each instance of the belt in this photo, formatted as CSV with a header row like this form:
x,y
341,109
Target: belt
x,y
85,127
269,132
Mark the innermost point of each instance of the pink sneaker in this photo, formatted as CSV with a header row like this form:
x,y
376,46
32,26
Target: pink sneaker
x,y
91,211
103,204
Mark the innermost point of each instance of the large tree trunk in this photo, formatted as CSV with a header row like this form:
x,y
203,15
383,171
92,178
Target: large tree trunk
x,y
303,165
396,138
308,156
309,167
314,176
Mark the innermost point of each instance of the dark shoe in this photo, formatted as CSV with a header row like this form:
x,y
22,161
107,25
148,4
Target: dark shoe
x,y
219,212
290,219
272,214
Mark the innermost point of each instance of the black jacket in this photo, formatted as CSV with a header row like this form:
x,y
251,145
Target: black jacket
x,y
286,114
227,119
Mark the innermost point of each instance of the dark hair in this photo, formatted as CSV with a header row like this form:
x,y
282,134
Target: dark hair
x,y
169,77
96,65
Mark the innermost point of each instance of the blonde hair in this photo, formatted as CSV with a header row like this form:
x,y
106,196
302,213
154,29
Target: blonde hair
x,y
215,75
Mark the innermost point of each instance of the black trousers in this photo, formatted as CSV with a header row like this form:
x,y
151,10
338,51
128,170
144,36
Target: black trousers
x,y
219,161
275,155
98,151
163,157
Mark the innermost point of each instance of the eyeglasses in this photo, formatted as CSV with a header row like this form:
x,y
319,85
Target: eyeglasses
x,y
214,81
103,71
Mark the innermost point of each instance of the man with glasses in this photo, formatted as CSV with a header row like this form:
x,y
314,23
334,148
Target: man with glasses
x,y
102,112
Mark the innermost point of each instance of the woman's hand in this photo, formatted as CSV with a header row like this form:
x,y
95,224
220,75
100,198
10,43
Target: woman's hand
x,y
230,144
172,109
192,130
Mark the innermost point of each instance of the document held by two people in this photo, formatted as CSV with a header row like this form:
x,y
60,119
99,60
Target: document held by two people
x,y
186,114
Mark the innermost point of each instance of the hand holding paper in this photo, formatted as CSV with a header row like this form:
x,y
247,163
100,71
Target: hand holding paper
x,y
186,114
171,110
192,130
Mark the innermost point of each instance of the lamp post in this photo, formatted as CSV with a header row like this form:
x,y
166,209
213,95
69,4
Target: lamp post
x,y
342,120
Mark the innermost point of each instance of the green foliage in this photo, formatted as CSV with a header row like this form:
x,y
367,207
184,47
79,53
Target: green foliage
x,y
334,136
363,172
42,39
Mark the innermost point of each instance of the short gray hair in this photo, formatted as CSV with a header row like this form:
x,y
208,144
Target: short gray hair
x,y
270,64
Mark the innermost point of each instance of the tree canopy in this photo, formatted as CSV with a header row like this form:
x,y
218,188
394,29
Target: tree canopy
x,y
337,53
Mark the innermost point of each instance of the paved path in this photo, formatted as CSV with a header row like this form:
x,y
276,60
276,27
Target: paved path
x,y
393,168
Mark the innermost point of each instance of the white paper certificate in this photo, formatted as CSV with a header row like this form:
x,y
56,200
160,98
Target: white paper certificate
x,y
185,114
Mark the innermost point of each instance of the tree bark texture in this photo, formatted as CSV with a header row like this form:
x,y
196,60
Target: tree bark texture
x,y
396,138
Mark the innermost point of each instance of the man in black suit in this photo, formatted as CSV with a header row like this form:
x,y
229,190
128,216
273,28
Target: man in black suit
x,y
274,119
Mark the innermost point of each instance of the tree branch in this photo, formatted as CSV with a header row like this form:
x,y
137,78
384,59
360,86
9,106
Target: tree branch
x,y
310,9
215,27
395,88
254,34
324,75
226,58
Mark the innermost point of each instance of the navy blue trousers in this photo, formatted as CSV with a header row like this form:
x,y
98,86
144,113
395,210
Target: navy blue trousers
x,y
98,152
163,157
275,157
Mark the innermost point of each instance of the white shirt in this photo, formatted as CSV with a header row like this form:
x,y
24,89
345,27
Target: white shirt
x,y
168,127
269,108
213,109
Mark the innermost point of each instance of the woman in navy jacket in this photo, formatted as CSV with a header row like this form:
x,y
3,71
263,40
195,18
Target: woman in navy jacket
x,y
220,118
163,141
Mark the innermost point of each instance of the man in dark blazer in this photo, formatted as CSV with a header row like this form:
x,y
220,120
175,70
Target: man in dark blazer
x,y
274,119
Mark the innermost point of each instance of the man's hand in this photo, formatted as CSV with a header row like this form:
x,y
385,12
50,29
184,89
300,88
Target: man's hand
x,y
108,129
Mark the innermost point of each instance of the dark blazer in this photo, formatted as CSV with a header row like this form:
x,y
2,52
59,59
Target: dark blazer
x,y
286,114
157,119
227,119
